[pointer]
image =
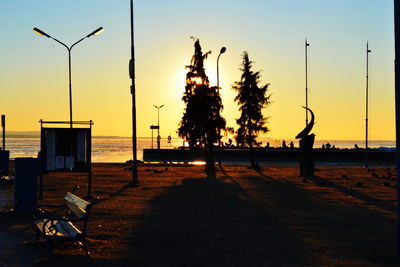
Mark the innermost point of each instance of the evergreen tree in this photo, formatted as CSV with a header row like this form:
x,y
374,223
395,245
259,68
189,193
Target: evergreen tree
x,y
251,99
202,121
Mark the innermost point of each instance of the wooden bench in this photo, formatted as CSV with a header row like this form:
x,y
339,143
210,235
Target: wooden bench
x,y
70,227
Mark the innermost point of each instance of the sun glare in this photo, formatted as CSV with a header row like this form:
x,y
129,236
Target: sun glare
x,y
197,80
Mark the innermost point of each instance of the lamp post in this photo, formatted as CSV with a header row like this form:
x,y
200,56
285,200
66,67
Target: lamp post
x,y
69,48
158,125
223,50
133,93
366,107
306,45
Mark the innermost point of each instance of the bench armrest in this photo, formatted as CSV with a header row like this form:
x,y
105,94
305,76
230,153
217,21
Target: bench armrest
x,y
49,206
38,212
64,219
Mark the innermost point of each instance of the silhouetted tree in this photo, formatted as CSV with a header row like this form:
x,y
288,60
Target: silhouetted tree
x,y
202,121
251,100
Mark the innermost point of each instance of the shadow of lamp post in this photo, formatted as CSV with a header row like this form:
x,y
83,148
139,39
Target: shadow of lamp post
x,y
69,48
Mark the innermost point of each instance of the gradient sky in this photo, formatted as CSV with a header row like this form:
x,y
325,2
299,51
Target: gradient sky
x,y
34,69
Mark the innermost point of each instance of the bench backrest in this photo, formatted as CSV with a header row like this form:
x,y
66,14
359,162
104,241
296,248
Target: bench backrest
x,y
76,205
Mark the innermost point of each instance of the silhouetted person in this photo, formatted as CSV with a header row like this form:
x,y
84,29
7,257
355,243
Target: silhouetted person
x,y
284,146
356,146
158,141
291,145
328,146
323,147
267,146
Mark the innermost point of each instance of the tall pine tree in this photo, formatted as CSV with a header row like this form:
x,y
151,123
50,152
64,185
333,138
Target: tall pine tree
x,y
202,121
251,100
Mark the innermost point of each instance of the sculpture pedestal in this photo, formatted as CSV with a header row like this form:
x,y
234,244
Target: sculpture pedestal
x,y
306,160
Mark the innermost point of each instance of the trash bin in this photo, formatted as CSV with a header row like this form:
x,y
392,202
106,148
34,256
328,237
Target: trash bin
x,y
25,184
4,160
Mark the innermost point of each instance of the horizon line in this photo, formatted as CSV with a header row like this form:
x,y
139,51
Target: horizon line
x,y
36,134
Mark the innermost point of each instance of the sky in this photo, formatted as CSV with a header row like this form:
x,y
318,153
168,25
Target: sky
x,y
34,69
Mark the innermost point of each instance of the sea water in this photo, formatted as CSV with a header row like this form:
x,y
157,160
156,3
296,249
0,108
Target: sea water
x,y
119,149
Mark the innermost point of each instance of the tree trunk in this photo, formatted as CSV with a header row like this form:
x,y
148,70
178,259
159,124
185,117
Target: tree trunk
x,y
210,164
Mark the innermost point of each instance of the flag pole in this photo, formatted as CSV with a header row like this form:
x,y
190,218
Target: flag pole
x,y
306,45
366,107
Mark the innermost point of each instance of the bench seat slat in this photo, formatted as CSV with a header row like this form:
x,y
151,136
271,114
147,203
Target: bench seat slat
x,y
76,200
65,229
76,205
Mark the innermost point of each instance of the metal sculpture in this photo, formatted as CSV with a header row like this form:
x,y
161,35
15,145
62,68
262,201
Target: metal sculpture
x,y
306,159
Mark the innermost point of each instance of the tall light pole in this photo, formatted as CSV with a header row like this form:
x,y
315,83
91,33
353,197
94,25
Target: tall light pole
x,y
69,48
133,93
158,125
306,45
397,102
366,107
223,50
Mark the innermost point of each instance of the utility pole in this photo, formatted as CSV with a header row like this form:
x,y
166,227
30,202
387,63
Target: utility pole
x,y
133,92
366,108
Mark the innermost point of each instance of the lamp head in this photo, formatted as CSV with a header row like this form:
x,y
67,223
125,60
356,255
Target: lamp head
x,y
95,32
40,32
223,50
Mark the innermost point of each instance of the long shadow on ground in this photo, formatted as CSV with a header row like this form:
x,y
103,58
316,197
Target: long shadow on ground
x,y
331,232
208,223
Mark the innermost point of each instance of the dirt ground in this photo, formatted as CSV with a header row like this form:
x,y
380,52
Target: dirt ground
x,y
176,217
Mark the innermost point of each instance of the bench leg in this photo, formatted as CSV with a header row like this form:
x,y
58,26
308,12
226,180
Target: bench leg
x,y
85,247
50,247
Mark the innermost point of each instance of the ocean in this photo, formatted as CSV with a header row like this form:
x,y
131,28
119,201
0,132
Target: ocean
x,y
119,149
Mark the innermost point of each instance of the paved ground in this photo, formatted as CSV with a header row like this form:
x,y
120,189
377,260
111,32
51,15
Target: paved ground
x,y
176,217
13,247
5,196
14,243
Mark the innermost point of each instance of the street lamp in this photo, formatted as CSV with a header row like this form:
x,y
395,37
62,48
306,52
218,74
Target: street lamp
x,y
42,33
132,75
223,50
158,125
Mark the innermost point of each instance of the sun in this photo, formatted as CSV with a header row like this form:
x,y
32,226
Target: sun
x,y
197,80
